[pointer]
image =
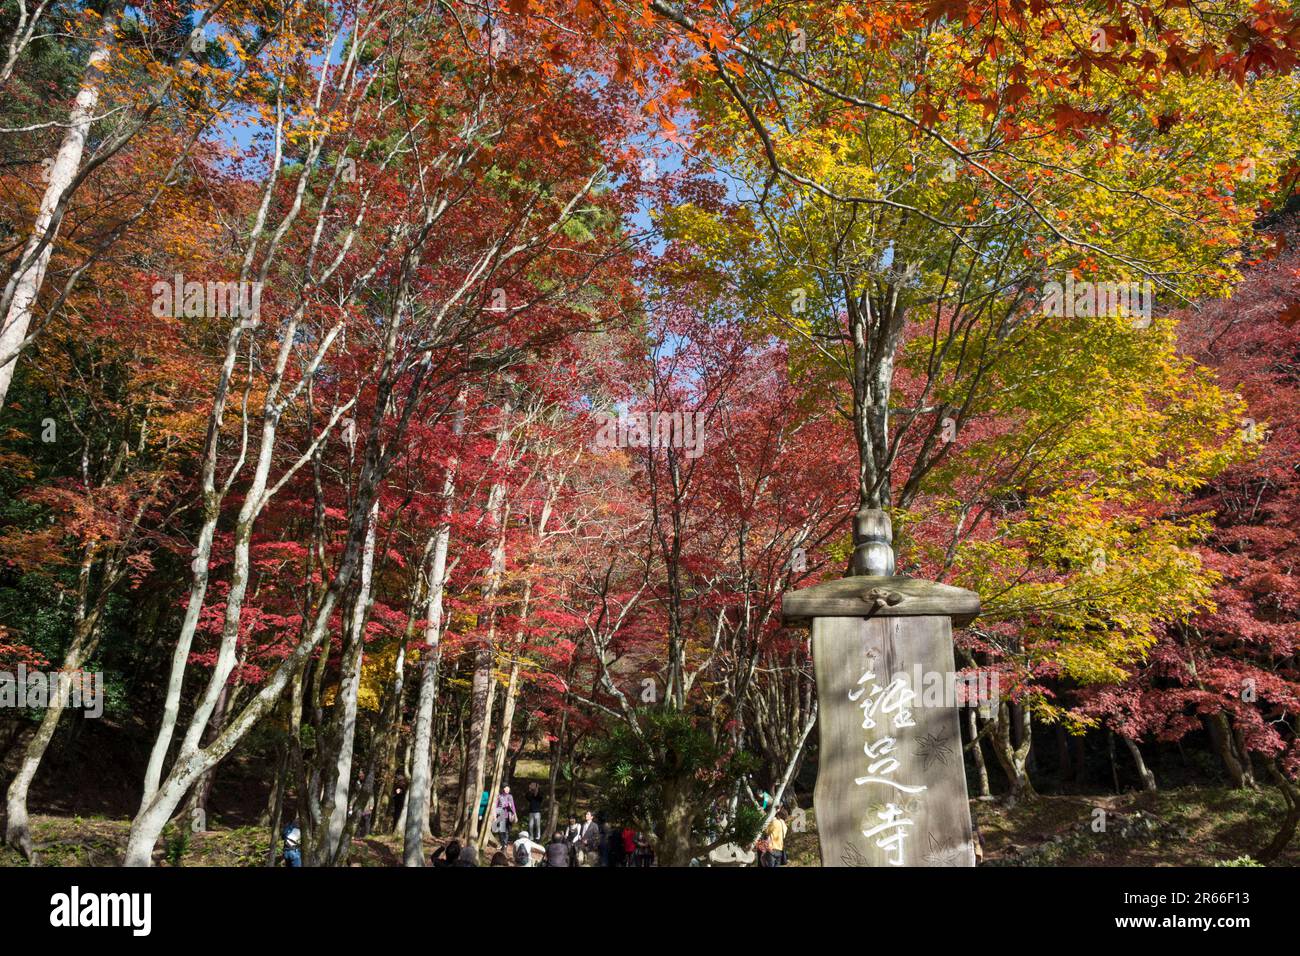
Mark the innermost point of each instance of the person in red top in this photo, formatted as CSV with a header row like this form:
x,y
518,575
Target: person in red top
x,y
629,845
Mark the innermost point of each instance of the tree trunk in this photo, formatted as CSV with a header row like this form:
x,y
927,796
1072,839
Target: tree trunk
x,y
977,753
434,816
482,697
275,807
203,789
675,846
508,709
462,770
1234,763
483,691
503,741
553,777
791,767
1014,758
423,780
156,809
84,640
1243,752
400,826
390,731
25,283
332,850
1291,797
512,762
1144,772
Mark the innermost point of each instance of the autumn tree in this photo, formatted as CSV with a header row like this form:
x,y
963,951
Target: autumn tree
x,y
431,264
1229,671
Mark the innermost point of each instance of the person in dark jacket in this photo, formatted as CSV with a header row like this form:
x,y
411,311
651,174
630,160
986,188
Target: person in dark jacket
x,y
604,839
446,855
559,852
615,838
534,797
588,842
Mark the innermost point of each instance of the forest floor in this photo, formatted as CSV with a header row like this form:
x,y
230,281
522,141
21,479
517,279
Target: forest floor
x,y
1177,827
1187,827
1184,827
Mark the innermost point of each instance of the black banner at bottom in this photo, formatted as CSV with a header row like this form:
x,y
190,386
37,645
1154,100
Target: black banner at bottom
x,y
921,907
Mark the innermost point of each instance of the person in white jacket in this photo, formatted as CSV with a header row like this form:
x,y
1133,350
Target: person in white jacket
x,y
523,849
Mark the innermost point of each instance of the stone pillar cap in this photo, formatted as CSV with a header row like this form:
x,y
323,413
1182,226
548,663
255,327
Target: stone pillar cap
x,y
868,595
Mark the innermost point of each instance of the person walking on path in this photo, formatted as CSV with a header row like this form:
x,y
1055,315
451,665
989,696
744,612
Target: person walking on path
x,y
505,815
534,797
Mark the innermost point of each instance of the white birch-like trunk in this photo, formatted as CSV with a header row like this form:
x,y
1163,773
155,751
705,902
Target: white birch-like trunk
x,y
1144,772
791,764
349,684
421,777
507,717
401,817
17,826
483,688
25,284
415,809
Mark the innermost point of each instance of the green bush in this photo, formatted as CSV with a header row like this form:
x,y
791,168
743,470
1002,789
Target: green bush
x,y
673,753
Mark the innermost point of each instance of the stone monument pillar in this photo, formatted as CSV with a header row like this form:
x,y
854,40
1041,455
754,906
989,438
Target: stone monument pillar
x,y
891,781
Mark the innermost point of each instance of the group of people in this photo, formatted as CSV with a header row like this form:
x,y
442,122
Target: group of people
x,y
589,842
